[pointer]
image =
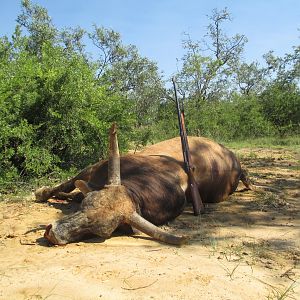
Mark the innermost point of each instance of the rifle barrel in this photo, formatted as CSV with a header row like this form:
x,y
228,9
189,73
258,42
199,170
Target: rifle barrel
x,y
181,128
196,199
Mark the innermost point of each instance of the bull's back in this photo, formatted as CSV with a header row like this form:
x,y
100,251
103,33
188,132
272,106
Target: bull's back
x,y
217,169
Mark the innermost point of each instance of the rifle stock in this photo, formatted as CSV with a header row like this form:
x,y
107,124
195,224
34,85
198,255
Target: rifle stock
x,y
198,206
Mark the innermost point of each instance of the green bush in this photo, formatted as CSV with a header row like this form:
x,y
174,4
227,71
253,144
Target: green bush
x,y
240,117
54,115
281,106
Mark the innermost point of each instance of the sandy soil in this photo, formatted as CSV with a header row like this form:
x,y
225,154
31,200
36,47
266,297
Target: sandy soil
x,y
245,248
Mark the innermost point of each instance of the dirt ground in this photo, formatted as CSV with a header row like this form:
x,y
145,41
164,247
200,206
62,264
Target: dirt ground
x,y
245,248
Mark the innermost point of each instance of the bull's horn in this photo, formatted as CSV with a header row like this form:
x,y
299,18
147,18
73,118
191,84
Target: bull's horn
x,y
114,177
144,226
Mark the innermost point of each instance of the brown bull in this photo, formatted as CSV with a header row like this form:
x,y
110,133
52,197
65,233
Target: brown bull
x,y
154,189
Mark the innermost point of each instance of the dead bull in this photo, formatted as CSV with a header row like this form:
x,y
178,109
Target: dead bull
x,y
154,189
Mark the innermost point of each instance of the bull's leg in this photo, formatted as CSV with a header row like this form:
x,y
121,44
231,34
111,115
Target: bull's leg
x,y
74,196
44,193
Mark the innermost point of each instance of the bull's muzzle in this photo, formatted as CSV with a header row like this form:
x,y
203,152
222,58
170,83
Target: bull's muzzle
x,y
49,235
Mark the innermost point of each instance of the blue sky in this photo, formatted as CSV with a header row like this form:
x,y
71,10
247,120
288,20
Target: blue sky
x,y
156,27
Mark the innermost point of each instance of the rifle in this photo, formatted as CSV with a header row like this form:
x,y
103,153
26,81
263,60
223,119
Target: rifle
x,y
198,206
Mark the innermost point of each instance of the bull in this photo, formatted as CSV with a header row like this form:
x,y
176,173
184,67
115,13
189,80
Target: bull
x,y
143,190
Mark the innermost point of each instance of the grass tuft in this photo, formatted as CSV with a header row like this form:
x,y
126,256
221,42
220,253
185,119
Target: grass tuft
x,y
286,292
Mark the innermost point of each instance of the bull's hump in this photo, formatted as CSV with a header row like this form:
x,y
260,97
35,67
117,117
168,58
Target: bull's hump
x,y
172,147
207,155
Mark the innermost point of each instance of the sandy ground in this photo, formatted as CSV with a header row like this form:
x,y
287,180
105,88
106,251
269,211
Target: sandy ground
x,y
245,248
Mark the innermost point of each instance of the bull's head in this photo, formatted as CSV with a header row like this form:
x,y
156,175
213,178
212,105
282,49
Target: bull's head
x,y
103,211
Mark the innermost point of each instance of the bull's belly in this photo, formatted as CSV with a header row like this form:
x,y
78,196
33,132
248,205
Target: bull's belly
x,y
219,190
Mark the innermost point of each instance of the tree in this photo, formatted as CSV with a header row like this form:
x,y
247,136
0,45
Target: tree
x,y
250,78
37,22
284,69
281,98
72,39
206,76
125,71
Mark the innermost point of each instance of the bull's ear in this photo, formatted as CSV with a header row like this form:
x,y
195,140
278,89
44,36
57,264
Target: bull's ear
x,y
82,186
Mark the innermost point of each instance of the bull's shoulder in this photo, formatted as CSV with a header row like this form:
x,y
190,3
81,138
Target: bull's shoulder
x,y
155,185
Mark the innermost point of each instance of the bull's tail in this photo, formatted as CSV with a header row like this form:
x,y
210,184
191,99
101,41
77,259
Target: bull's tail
x,y
244,177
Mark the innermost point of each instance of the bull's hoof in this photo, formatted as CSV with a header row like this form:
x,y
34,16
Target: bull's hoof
x,y
42,194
